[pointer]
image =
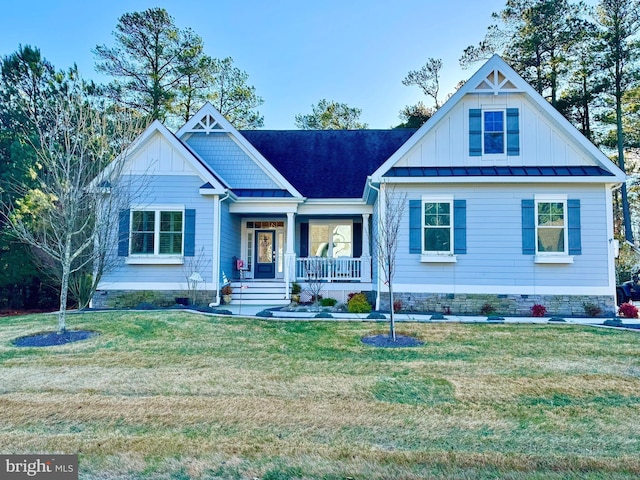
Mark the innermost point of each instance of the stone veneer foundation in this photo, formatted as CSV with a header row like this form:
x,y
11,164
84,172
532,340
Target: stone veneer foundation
x,y
158,298
516,305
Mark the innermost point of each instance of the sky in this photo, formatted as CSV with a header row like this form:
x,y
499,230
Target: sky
x,y
296,52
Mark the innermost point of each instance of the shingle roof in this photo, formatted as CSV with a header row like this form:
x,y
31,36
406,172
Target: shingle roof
x,y
327,163
542,171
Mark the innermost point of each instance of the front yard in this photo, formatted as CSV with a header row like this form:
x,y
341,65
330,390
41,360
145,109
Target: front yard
x,y
180,395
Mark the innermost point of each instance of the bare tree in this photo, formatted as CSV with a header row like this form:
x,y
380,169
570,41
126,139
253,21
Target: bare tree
x,y
71,212
427,78
392,208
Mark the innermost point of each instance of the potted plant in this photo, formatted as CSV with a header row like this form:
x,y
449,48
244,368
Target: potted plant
x,y
226,293
295,292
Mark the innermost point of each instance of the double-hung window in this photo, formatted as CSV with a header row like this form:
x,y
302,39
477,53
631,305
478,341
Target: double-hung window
x,y
493,132
157,232
438,226
551,226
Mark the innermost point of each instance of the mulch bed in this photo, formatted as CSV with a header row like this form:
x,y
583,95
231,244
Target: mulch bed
x,y
49,339
385,341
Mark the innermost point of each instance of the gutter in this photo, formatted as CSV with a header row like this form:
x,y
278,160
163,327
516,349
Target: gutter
x,y
377,189
216,249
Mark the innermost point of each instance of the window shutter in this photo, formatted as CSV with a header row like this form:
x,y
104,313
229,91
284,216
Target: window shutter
x,y
123,232
357,240
415,226
475,132
304,240
460,226
513,132
528,227
573,214
189,233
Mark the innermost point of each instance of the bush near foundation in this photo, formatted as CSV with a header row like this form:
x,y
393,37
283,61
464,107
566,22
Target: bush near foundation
x,y
628,310
358,303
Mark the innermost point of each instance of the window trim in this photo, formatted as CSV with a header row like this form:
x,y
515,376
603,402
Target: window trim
x,y
552,257
486,110
428,256
331,222
156,256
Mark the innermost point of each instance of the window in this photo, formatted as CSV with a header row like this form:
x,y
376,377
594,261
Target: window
x,y
551,231
155,232
330,239
493,132
437,227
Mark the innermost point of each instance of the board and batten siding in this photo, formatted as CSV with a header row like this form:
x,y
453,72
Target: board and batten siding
x,y
168,190
541,142
229,161
494,255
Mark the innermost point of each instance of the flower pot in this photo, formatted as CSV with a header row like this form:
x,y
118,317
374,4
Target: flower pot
x,y
226,299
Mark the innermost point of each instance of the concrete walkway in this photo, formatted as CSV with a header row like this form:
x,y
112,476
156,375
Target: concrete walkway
x,y
252,310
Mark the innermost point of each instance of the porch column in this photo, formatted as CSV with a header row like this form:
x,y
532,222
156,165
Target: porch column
x,y
290,256
366,253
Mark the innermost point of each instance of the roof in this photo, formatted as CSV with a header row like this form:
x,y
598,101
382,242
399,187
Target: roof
x,y
567,171
312,159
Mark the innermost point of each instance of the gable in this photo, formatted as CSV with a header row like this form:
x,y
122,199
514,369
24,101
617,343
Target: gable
x,y
497,120
227,152
158,157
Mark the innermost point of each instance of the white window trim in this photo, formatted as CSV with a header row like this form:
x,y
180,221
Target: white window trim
x,y
440,256
156,257
330,222
553,257
494,108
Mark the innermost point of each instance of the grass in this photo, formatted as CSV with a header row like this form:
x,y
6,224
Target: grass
x,y
175,395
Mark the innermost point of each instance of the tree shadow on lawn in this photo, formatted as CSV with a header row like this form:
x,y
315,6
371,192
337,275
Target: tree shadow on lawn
x,y
50,339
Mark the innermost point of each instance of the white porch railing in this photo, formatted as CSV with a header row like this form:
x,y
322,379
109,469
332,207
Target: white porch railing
x,y
329,269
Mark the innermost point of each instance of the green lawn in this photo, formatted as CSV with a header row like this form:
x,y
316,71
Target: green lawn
x,y
179,395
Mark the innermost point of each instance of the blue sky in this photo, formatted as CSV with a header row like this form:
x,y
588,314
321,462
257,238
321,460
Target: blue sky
x,y
295,52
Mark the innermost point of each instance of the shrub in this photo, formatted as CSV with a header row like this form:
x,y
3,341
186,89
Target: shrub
x,y
538,310
487,309
295,288
226,290
358,303
328,302
628,310
397,305
592,310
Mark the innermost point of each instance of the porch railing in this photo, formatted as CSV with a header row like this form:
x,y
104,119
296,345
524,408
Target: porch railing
x,y
328,269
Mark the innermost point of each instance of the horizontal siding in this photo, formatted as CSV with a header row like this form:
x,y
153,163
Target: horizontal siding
x,y
494,235
229,161
230,235
163,190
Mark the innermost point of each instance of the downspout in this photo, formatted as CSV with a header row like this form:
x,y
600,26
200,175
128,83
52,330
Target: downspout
x,y
216,252
370,184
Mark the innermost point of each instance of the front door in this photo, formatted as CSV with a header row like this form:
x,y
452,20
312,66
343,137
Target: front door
x,y
266,254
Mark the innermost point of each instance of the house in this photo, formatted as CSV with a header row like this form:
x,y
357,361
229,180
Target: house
x,y
507,204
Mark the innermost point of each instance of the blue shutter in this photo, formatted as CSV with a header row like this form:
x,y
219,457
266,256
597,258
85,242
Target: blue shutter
x,y
415,226
304,240
189,233
475,132
123,232
459,226
513,132
528,227
573,214
357,240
